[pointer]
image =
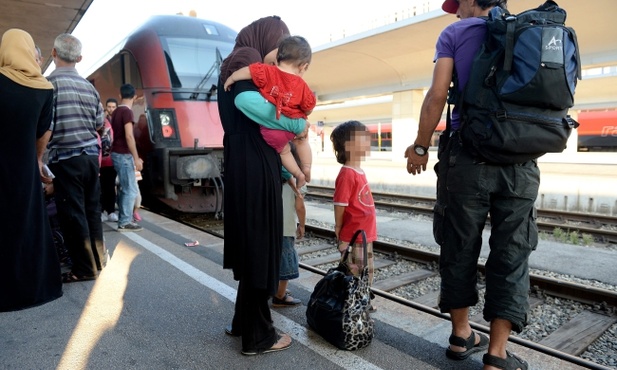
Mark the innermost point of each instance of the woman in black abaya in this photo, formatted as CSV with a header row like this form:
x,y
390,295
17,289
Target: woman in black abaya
x,y
29,267
252,200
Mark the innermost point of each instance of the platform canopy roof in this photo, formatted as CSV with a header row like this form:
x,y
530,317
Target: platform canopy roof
x,y
399,56
43,19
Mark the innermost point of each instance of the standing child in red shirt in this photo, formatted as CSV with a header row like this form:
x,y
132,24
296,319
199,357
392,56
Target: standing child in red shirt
x,y
283,86
354,208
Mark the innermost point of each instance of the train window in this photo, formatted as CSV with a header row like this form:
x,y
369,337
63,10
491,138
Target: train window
x,y
211,30
193,65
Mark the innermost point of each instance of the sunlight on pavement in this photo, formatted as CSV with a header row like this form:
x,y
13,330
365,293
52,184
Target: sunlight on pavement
x,y
102,309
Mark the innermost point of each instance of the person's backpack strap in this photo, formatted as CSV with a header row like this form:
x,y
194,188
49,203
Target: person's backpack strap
x,y
509,47
455,95
552,13
579,74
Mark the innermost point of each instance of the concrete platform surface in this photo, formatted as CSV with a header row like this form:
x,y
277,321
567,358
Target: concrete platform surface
x,y
161,305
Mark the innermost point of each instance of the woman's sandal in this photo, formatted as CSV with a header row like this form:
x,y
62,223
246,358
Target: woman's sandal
x,y
275,347
468,343
69,277
511,362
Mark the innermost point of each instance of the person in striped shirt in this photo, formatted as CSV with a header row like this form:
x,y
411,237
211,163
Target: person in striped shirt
x,y
74,160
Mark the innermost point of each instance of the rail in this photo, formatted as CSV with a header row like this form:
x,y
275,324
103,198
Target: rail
x,y
548,220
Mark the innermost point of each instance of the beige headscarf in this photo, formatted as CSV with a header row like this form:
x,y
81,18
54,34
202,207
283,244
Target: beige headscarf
x,y
18,62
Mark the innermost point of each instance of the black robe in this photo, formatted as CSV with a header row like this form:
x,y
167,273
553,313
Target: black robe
x,y
253,208
29,267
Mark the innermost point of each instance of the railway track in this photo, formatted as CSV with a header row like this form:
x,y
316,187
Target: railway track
x,y
602,228
568,342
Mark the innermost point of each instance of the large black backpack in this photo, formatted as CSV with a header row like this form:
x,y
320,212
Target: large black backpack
x,y
514,107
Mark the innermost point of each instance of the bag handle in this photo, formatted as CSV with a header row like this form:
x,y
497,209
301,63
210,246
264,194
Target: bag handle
x,y
353,241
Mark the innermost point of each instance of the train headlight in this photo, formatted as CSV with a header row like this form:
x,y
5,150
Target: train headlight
x,y
165,118
166,127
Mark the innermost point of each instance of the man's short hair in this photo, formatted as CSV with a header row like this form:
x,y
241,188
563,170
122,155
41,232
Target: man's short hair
x,y
485,4
127,91
68,47
111,100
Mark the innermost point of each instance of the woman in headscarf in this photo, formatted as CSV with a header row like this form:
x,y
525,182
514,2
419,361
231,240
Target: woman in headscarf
x,y
29,267
253,199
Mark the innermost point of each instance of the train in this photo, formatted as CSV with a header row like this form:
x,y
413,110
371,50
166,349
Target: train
x,y
173,61
597,132
381,135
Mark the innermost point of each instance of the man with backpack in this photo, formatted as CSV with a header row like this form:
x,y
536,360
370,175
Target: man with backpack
x,y
469,188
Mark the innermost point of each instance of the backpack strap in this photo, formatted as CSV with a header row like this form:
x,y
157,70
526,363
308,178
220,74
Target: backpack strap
x,y
511,21
551,13
455,97
579,74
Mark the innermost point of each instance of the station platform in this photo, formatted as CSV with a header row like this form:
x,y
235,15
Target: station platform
x,y
161,305
565,186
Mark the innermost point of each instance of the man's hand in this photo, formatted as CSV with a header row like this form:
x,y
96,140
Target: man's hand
x,y
300,230
139,164
415,163
45,176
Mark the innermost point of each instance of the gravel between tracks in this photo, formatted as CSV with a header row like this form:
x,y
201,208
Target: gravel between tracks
x,y
543,319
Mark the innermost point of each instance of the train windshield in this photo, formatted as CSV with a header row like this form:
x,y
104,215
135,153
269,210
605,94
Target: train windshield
x,y
193,66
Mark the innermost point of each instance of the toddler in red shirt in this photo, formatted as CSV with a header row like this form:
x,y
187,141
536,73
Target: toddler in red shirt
x,y
283,86
354,208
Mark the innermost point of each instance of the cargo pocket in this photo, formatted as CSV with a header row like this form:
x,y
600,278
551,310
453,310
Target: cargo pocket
x,y
439,217
533,229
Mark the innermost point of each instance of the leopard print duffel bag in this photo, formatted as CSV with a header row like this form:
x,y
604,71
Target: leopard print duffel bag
x,y
338,307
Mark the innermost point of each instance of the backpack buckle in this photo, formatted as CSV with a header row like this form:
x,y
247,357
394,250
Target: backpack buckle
x,y
571,122
501,115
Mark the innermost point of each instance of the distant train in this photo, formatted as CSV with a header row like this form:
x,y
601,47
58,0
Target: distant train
x,y
597,132
173,62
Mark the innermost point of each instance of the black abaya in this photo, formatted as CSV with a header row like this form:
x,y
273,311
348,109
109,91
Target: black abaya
x,y
253,219
29,266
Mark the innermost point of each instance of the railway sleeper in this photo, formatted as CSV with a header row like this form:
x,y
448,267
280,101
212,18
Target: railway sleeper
x,y
577,334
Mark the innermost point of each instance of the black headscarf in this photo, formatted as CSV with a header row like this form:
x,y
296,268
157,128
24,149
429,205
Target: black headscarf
x,y
253,43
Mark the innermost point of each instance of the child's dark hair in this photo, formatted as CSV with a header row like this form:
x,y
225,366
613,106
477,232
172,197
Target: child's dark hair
x,y
127,91
294,48
341,134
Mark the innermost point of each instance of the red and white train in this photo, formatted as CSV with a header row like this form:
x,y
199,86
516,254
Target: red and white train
x,y
597,132
173,62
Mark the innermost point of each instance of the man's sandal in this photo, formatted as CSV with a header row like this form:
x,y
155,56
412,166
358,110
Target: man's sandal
x,y
511,362
468,343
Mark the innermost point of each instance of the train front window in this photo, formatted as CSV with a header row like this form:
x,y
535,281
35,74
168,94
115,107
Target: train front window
x,y
193,66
